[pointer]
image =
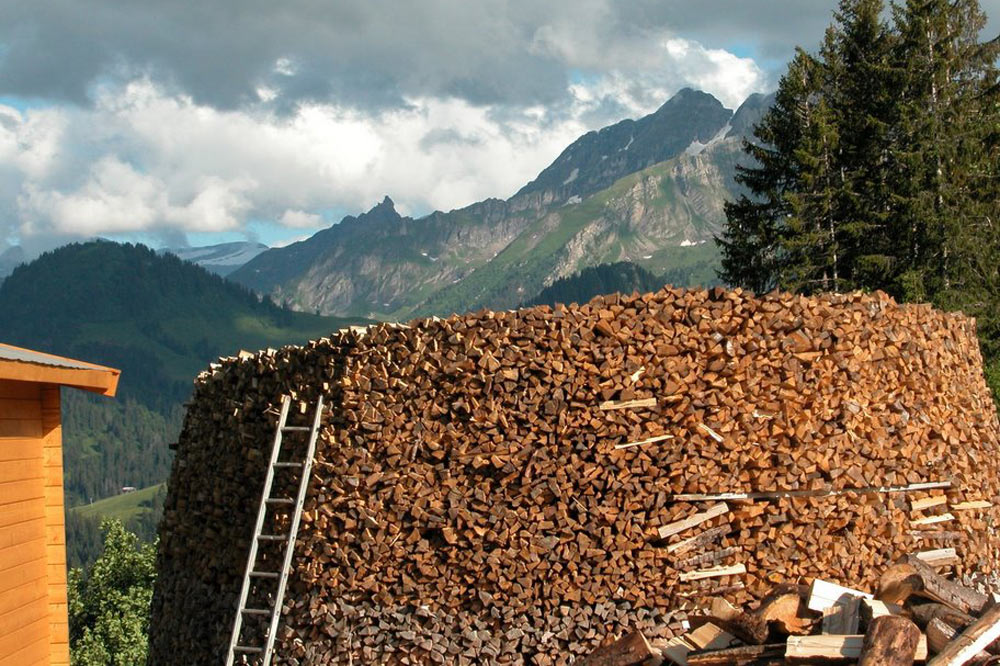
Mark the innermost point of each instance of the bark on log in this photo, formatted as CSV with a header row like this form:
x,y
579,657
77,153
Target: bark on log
x,y
891,640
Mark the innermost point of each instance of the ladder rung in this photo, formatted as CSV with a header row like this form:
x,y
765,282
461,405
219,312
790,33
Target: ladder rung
x,y
255,611
265,574
296,429
247,648
288,464
279,500
273,537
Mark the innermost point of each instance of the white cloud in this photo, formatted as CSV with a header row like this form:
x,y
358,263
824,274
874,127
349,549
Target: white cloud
x,y
299,219
147,159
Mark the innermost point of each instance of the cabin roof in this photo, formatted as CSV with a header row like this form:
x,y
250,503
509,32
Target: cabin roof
x,y
19,364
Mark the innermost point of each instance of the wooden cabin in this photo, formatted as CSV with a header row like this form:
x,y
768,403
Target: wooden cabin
x,y
33,620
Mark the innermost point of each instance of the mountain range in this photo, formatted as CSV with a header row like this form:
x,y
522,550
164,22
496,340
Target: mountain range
x,y
647,191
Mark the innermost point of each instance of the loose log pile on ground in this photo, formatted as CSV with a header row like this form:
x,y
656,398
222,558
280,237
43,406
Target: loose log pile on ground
x,y
916,614
513,487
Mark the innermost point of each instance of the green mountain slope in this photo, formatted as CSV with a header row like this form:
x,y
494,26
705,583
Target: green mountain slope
x,y
157,318
648,191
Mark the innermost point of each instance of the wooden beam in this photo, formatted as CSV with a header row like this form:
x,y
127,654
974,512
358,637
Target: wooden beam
x,y
706,637
699,539
843,617
692,521
968,506
823,594
822,492
714,572
627,404
970,642
651,440
835,648
737,656
938,558
927,502
933,520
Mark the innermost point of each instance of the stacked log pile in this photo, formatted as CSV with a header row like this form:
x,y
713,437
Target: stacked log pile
x,y
512,487
917,614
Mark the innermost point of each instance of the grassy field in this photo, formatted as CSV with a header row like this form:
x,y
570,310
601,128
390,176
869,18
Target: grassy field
x,y
123,507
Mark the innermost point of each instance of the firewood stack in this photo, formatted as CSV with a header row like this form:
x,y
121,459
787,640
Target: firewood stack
x,y
513,487
917,614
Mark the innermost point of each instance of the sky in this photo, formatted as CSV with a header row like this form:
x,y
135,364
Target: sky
x,y
177,122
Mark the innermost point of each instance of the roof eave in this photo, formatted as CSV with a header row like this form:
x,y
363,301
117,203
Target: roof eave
x,y
98,379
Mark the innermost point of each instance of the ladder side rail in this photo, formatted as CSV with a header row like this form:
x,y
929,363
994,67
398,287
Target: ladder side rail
x,y
286,402
293,532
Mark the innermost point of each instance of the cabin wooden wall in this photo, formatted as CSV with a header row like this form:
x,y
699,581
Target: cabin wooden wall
x,y
33,622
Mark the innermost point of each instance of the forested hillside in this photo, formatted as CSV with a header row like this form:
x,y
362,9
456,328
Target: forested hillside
x,y
158,319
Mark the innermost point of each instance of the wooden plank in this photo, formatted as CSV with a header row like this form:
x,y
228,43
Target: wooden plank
x,y
18,534
971,505
699,539
746,654
32,654
14,492
20,409
836,648
692,521
713,557
933,520
714,572
939,536
23,615
927,502
19,390
17,555
843,617
20,428
938,558
976,637
627,404
823,492
26,635
19,470
24,593
651,440
21,449
17,512
706,637
824,594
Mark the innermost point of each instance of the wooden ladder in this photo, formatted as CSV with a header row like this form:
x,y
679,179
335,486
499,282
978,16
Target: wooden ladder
x,y
267,501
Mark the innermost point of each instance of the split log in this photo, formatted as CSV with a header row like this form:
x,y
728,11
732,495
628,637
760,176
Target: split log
x,y
737,656
629,650
747,627
824,594
914,577
786,611
924,614
975,638
891,640
836,648
692,521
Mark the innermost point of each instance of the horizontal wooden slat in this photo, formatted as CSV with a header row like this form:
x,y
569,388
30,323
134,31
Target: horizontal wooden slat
x,y
13,492
33,654
13,642
18,534
20,390
18,512
15,556
21,428
22,594
17,408
19,470
20,449
22,616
